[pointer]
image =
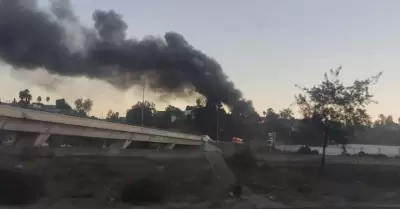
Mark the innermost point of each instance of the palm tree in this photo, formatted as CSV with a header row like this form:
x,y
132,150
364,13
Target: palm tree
x,y
39,99
25,97
47,99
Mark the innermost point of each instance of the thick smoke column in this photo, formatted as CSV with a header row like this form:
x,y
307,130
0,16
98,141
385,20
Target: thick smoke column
x,y
32,38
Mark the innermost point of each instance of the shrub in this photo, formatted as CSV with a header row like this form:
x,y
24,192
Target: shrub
x,y
306,150
362,153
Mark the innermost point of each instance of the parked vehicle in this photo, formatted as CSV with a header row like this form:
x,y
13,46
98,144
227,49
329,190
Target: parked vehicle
x,y
237,140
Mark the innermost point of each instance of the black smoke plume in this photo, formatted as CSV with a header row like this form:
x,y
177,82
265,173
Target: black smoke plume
x,y
55,40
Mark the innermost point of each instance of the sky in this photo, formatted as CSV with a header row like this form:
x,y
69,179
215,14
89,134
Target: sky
x,y
264,46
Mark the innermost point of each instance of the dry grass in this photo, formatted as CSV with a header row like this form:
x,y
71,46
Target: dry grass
x,y
134,180
303,185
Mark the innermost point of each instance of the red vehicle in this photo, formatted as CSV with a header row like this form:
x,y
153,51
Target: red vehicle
x,y
237,140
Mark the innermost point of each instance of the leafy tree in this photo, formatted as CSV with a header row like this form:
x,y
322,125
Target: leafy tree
x,y
382,119
79,107
25,98
47,99
109,114
286,114
243,120
172,118
134,115
281,124
377,123
389,120
39,99
172,115
272,122
174,111
335,109
205,118
270,115
112,116
212,119
83,107
200,103
87,105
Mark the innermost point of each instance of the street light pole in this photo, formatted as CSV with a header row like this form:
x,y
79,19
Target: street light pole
x,y
144,84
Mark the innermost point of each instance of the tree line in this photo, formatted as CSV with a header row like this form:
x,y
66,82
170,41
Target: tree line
x,y
331,112
82,106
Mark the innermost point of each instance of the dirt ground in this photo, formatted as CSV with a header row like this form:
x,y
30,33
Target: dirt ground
x,y
104,182
105,179
303,185
107,182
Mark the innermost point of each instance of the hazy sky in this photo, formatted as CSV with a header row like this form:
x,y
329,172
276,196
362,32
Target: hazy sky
x,y
264,46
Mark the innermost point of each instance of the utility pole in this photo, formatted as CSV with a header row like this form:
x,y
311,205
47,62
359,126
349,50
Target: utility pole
x,y
144,84
217,122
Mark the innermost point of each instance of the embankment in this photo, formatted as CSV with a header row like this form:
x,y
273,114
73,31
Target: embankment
x,y
148,177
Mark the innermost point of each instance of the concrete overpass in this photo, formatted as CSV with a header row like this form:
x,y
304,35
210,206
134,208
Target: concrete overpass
x,y
44,124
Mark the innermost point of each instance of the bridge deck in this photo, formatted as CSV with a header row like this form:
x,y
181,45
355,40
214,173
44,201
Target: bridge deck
x,y
19,119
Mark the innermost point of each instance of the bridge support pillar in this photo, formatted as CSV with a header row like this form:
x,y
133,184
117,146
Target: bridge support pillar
x,y
40,139
169,146
30,139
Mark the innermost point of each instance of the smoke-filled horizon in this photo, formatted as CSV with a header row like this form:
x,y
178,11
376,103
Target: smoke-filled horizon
x,y
56,40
